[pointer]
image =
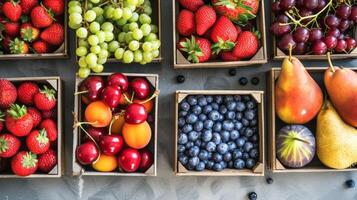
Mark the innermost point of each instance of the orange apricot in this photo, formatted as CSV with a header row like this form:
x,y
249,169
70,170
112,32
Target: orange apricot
x,y
137,136
98,114
105,163
147,104
118,124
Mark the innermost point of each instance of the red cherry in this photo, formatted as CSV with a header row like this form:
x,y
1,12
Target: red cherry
x,y
129,160
93,85
87,153
111,95
135,113
95,133
110,144
119,80
147,159
140,87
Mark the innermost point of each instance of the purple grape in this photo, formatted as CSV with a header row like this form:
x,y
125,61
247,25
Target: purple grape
x,y
286,41
315,35
334,32
300,48
344,25
301,34
286,4
341,46
351,44
321,5
319,48
282,18
311,4
330,42
299,3
341,36
275,7
303,13
332,21
279,29
343,11
353,15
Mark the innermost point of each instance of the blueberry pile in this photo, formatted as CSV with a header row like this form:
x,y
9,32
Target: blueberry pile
x,y
218,132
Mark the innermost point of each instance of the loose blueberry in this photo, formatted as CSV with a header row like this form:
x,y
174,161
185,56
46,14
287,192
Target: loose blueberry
x,y
228,98
193,136
245,156
270,180
224,164
234,134
191,118
183,139
193,161
180,79
250,105
239,115
222,148
255,80
253,122
211,147
350,183
200,166
243,81
231,106
223,109
239,164
232,72
252,196
237,98
207,135
246,98
230,164
254,138
189,145
245,122
209,99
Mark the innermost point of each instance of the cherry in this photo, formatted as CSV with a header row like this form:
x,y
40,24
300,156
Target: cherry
x,y
129,160
119,80
87,153
95,133
147,159
140,87
330,42
351,44
91,88
135,113
111,144
319,48
111,95
341,46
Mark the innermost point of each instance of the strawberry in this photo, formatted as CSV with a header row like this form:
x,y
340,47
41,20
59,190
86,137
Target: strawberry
x,y
205,18
228,56
186,23
47,161
53,35
224,34
56,6
40,17
8,93
37,141
26,91
51,128
29,33
2,115
24,163
36,116
12,10
41,47
49,114
191,5
45,99
239,30
18,121
6,43
198,49
18,46
27,5
9,145
12,29
247,45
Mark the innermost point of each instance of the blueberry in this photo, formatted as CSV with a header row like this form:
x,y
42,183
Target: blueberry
x,y
240,107
239,164
200,166
231,106
192,100
184,106
203,155
245,122
350,183
240,142
228,98
215,106
182,113
191,118
230,164
224,164
253,122
193,136
248,132
193,161
187,128
209,165
206,135
222,148
182,139
198,126
228,125
221,117
224,136
216,138
249,114
218,99
239,115
202,101
245,156
211,147
237,154
190,167
183,160
232,72
227,157
250,105
181,122
230,115
231,146
237,98
217,157
217,127
246,98
247,146
222,109
209,99
270,180
234,134
207,109
193,151
243,81
198,142
189,145
202,117
238,125
252,196
208,124
196,109
181,148
217,167
254,153
250,163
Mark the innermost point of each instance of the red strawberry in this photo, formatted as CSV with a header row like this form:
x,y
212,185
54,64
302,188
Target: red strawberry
x,y
27,5
239,30
56,6
247,45
2,115
45,99
12,28
29,33
186,23
238,11
26,92
18,46
18,121
24,163
36,116
37,141
41,47
12,10
6,43
8,93
224,34
40,17
192,5
205,18
228,56
51,128
47,161
9,145
53,35
198,49
49,114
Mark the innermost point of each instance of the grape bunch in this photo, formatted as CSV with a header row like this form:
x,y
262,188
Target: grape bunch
x,y
121,29
314,26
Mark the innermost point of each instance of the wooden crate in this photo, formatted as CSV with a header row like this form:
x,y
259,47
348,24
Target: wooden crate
x,y
180,62
58,170
258,170
77,168
274,124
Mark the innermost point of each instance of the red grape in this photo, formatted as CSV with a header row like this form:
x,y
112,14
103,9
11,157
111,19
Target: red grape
x,y
300,48
334,32
275,7
311,4
303,13
321,5
344,25
343,11
279,29
319,47
351,44
341,36
315,35
332,21
286,4
341,46
286,41
282,18
299,3
330,42
301,35
353,15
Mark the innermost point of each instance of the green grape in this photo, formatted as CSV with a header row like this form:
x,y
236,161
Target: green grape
x,y
121,37
132,2
148,10
102,61
82,62
94,27
73,25
134,17
127,13
103,54
146,29
151,37
131,7
75,9
147,46
101,36
138,56
98,68
83,72
137,34
73,3
128,56
126,28
93,40
140,2
103,45
113,45
100,19
143,62
109,12
145,19
75,18
91,59
81,51
133,26
118,13
154,28
90,16
83,43
134,45
95,1
155,53
107,26
98,11
147,56
121,22
89,5
82,32
129,37
119,53
109,36
156,44
147,3
95,49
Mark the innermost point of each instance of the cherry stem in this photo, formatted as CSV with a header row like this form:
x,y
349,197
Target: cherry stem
x,y
330,62
126,98
132,97
81,92
88,135
111,124
156,93
290,51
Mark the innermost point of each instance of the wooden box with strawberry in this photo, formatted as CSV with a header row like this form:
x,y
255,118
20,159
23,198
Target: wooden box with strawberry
x,y
33,29
218,33
30,127
115,128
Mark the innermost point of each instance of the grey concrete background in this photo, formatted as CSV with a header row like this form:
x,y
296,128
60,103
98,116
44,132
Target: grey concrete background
x,y
318,186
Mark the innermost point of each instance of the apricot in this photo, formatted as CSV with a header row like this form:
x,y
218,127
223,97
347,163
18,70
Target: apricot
x,y
148,105
105,163
118,124
137,136
98,114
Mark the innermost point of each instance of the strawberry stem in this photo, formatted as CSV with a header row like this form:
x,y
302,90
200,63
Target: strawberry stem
x,y
16,111
29,160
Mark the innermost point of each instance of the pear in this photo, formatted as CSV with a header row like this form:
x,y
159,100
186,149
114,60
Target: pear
x,y
335,140
298,98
